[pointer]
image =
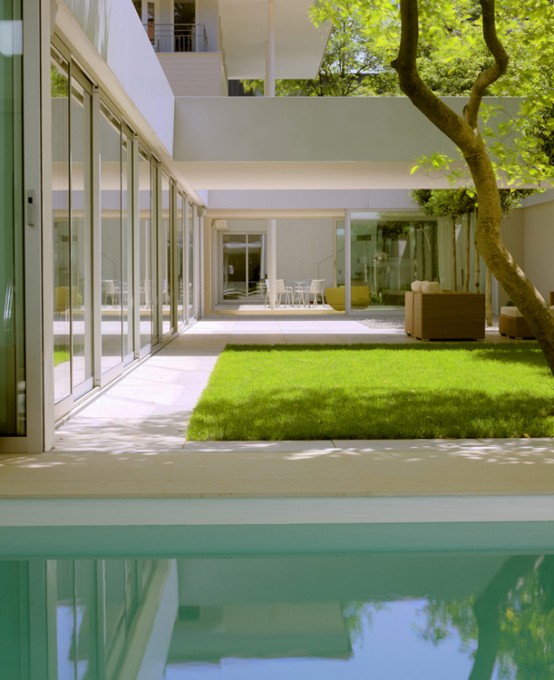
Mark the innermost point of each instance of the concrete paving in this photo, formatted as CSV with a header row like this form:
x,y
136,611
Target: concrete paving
x,y
129,441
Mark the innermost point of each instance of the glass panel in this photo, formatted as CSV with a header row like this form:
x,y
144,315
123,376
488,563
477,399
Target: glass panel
x,y
59,79
243,270
340,266
191,273
154,252
180,244
12,358
234,266
166,256
111,238
145,250
127,224
254,268
388,252
81,259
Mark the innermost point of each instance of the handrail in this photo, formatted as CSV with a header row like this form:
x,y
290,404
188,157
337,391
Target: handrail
x,y
178,37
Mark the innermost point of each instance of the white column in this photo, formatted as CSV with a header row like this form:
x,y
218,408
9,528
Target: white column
x,y
144,14
347,262
269,83
272,261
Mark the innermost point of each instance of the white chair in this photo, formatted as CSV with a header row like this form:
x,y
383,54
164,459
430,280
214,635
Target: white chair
x,y
280,291
110,291
315,292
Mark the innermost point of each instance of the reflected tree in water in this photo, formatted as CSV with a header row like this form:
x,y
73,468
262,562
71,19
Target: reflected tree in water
x,y
509,624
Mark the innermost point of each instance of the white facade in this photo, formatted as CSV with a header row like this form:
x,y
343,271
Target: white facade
x,y
137,177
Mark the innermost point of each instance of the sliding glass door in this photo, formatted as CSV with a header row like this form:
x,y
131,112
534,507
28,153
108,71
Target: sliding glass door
x,y
242,267
71,219
387,252
12,358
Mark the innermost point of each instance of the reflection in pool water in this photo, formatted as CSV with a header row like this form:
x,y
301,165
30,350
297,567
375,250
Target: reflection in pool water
x,y
457,614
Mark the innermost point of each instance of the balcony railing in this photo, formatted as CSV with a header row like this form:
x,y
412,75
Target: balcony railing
x,y
178,37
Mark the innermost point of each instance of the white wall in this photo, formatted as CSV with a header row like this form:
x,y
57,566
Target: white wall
x,y
207,14
305,249
538,237
194,74
382,129
306,200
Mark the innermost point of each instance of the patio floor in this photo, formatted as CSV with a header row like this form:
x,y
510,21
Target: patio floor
x,y
129,441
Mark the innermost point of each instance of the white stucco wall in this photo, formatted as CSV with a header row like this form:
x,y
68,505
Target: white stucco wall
x,y
305,249
207,14
380,129
306,200
538,239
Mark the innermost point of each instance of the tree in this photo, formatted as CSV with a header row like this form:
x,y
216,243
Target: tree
x,y
350,67
511,620
464,131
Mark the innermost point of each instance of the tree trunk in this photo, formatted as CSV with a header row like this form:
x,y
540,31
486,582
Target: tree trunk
x,y
501,263
490,607
464,132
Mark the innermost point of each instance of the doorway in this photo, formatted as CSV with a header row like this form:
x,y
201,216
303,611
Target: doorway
x,y
243,268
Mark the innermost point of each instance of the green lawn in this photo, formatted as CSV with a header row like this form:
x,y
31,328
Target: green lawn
x,y
439,390
61,356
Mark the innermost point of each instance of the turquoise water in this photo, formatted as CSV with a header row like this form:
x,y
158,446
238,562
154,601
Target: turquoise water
x,y
380,608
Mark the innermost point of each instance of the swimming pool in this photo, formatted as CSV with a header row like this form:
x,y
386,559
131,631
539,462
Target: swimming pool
x,y
287,598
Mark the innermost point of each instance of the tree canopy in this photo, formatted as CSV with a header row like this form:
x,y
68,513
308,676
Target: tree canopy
x,y
350,67
451,55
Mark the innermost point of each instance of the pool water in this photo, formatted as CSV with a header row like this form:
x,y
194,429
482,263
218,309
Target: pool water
x,y
381,611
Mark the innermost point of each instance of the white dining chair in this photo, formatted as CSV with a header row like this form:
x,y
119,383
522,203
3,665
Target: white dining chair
x,y
315,293
280,290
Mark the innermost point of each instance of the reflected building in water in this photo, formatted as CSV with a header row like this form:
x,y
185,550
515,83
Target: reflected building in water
x,y
158,618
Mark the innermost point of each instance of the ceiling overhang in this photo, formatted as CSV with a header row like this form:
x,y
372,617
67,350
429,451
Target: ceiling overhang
x,y
316,175
299,45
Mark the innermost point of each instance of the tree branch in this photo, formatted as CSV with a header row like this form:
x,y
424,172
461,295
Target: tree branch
x,y
495,71
405,64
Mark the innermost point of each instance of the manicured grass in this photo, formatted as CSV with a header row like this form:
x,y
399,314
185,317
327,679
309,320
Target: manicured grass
x,y
446,390
60,356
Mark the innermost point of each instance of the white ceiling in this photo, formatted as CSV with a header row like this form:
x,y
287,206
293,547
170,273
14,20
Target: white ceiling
x,y
299,45
307,175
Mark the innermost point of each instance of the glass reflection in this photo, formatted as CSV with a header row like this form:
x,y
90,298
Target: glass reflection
x,y
12,331
111,240
71,218
59,82
166,270
388,252
191,271
127,241
81,259
180,255
423,616
145,249
243,267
